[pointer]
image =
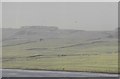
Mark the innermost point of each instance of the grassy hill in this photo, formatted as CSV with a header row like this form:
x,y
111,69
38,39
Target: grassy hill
x,y
55,49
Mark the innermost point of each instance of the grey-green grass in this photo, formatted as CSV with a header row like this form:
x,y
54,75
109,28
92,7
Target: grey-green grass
x,y
97,57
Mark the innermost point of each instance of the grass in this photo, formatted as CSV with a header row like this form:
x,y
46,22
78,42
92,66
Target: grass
x,y
98,57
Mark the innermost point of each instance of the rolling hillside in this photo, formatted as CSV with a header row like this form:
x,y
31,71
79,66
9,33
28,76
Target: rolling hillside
x,y
51,48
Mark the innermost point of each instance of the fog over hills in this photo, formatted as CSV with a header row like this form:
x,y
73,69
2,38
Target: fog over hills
x,y
44,33
50,32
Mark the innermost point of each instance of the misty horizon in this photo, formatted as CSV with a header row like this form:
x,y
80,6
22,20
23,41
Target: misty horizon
x,y
52,27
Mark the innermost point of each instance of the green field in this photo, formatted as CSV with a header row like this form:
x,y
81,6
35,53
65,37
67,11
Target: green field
x,y
68,56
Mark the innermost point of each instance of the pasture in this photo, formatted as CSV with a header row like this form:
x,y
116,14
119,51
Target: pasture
x,y
63,55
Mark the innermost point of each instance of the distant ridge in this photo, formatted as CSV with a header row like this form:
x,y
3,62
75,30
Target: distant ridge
x,y
33,33
39,27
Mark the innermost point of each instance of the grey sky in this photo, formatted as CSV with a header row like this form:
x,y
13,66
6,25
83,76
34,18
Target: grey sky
x,y
0,14
66,15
